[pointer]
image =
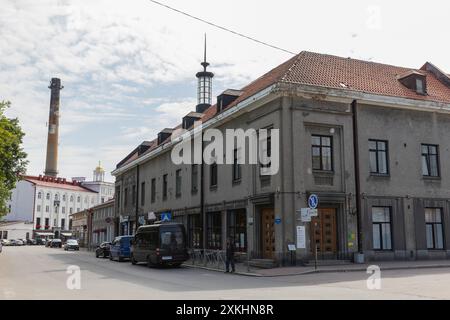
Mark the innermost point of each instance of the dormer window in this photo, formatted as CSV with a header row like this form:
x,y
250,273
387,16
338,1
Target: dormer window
x,y
414,80
419,86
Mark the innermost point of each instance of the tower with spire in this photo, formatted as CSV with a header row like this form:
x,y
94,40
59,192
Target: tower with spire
x,y
99,173
204,87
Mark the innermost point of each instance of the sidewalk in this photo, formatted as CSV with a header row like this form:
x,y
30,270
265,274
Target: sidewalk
x,y
241,268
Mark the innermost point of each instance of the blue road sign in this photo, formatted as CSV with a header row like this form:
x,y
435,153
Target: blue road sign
x,y
277,220
313,201
166,216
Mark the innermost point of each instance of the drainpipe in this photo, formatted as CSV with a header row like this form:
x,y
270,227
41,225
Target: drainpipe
x,y
137,199
357,175
202,197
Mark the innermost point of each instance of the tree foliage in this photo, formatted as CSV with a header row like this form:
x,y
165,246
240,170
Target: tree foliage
x,y
12,157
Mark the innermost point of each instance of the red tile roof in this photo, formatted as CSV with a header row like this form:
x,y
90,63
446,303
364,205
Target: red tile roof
x,y
59,183
330,71
309,68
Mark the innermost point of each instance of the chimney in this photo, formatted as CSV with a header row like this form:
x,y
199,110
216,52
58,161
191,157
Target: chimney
x,y
51,163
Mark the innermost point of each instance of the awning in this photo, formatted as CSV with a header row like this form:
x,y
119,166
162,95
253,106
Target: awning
x,y
66,234
44,233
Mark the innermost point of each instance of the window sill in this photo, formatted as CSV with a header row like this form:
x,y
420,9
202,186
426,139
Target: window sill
x,y
431,178
237,182
323,172
380,175
213,188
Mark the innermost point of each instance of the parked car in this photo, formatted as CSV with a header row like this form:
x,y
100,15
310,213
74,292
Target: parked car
x,y
31,242
71,244
16,242
1,247
6,242
102,250
160,244
40,241
56,243
48,242
120,248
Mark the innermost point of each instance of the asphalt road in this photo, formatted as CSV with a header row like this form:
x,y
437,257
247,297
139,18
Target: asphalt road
x,y
36,272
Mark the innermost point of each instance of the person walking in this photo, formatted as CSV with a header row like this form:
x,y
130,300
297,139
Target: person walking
x,y
229,256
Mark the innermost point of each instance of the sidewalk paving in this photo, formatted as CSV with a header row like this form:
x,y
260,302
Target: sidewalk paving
x,y
242,269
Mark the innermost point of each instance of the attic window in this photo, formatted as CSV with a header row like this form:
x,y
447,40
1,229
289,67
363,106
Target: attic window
x,y
414,80
419,86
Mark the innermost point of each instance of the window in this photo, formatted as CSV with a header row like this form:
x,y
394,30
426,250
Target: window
x,y
38,208
133,195
54,223
237,229
194,177
266,149
64,197
178,183
378,157
5,234
125,197
38,223
47,222
153,191
195,231
381,227
78,199
39,195
434,231
56,197
164,187
237,172
9,208
213,175
63,223
322,153
63,210
419,86
47,196
47,209
70,210
142,193
71,198
214,230
430,160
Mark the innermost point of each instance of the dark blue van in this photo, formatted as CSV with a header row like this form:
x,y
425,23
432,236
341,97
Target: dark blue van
x,y
120,248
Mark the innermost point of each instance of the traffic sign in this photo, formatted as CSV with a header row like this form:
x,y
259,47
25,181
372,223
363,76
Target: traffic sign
x,y
304,215
313,201
277,220
166,216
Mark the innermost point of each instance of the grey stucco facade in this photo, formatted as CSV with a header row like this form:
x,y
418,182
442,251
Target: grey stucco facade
x,y
262,213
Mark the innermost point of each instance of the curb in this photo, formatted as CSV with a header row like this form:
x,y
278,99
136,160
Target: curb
x,y
219,270
323,270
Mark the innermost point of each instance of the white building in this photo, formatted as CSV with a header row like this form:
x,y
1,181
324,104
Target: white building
x,y
16,230
47,202
104,189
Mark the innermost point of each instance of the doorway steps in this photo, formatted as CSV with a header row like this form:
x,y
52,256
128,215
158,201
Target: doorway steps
x,y
310,263
263,263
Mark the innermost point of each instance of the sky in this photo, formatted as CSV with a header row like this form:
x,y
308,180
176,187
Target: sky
x,y
128,67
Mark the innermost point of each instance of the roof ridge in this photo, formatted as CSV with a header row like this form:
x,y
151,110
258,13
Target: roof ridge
x,y
294,64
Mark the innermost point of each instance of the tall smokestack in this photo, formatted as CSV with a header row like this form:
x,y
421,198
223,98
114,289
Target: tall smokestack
x,y
51,163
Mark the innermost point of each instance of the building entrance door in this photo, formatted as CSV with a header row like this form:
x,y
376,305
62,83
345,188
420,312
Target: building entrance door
x,y
268,232
324,233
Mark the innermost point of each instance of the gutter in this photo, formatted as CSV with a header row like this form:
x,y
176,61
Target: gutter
x,y
357,174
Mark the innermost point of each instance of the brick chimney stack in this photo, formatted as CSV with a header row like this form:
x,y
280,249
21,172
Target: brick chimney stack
x,y
51,163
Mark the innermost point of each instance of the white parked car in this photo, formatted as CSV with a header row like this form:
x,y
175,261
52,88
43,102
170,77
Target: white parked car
x,y
1,246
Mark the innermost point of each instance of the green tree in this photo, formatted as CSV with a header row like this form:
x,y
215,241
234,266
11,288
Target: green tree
x,y
12,157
